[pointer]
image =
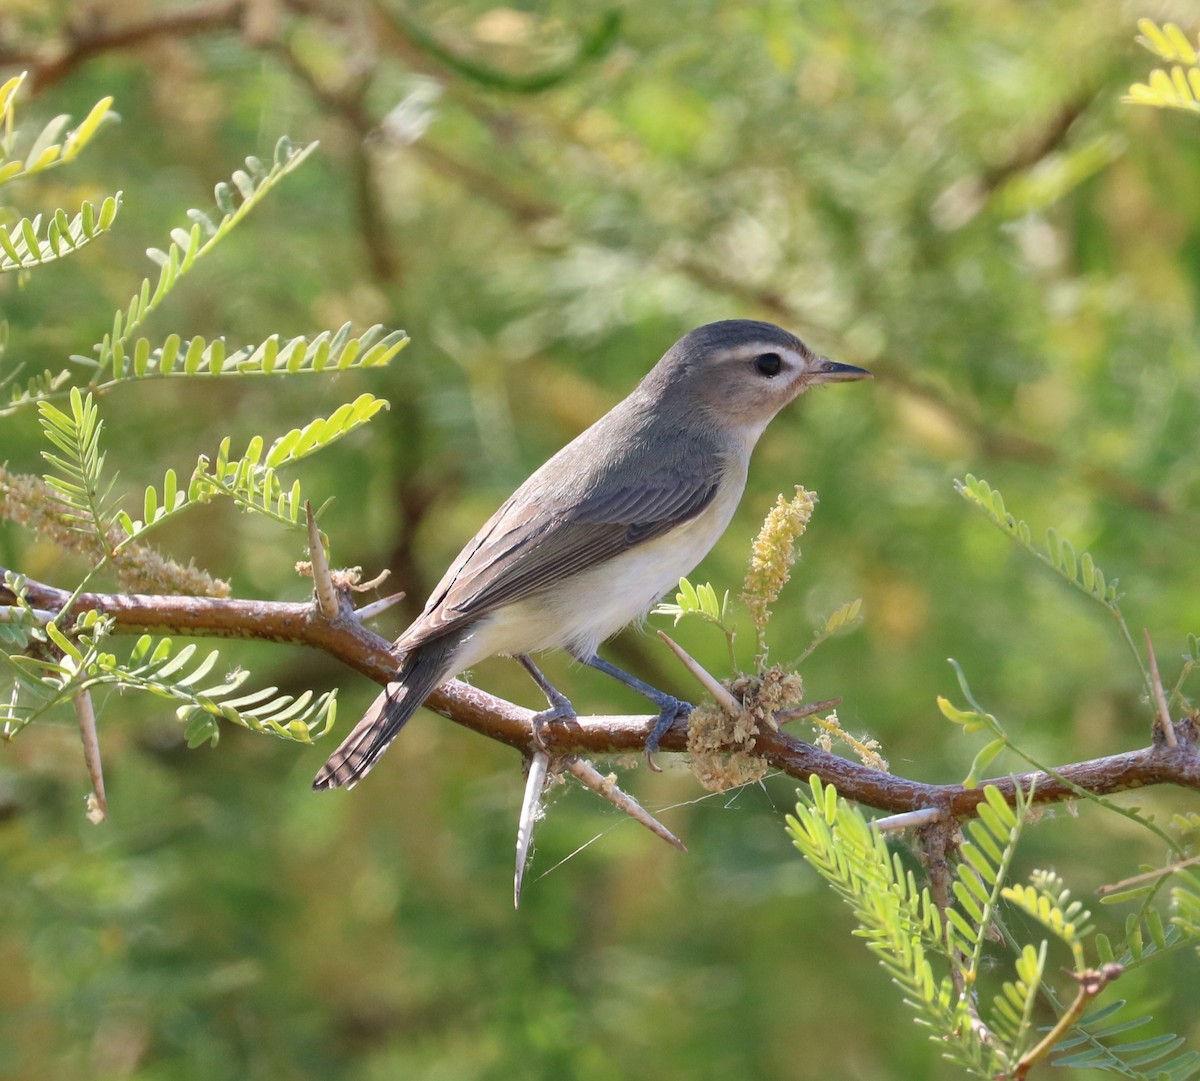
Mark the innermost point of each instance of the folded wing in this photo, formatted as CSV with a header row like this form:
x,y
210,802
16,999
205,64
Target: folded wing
x,y
532,543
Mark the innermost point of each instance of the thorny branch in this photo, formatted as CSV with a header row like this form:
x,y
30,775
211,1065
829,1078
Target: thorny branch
x,y
345,639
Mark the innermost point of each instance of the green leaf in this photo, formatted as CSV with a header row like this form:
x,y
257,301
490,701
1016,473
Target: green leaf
x,y
48,148
899,922
28,244
252,481
1176,87
1059,554
202,729
79,483
982,760
971,720
187,246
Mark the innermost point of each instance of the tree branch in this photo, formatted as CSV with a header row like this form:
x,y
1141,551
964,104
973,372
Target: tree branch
x,y
50,63
345,639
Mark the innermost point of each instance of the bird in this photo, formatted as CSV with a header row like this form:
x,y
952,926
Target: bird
x,y
601,531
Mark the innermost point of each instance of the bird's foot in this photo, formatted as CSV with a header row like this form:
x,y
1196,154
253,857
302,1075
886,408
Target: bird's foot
x,y
560,705
560,711
670,709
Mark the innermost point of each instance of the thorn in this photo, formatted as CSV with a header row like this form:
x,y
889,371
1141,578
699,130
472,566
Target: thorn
x,y
705,678
535,784
375,608
40,616
97,802
590,777
923,816
1164,717
807,710
324,591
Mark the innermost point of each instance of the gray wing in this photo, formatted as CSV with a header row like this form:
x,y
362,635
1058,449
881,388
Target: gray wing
x,y
531,543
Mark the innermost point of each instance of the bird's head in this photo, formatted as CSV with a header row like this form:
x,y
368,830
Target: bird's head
x,y
739,373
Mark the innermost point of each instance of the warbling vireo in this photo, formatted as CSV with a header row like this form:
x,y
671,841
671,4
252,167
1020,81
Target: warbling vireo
x,y
601,531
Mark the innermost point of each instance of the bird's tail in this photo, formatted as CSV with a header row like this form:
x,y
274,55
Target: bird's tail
x,y
422,670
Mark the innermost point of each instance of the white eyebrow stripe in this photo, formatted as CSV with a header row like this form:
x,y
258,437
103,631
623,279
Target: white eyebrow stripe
x,y
754,349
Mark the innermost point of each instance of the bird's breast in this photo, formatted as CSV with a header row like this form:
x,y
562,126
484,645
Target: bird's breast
x,y
582,611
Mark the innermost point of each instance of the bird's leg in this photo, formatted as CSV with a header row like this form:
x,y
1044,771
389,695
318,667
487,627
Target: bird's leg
x,y
560,706
669,707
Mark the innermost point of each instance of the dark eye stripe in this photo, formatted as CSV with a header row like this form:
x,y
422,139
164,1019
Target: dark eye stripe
x,y
768,364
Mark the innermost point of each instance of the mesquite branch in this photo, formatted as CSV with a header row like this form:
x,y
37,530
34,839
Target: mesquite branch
x,y
344,638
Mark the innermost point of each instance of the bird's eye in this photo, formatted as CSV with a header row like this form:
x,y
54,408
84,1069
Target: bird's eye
x,y
768,364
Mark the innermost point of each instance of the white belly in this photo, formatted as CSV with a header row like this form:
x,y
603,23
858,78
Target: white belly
x,y
593,605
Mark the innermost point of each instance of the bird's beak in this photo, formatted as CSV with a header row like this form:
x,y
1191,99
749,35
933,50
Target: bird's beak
x,y
825,370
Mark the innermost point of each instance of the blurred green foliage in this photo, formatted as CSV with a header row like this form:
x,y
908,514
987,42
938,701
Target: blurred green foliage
x,y
951,194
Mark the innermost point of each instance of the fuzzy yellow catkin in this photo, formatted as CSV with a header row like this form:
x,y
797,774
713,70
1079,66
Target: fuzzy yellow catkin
x,y
30,502
771,559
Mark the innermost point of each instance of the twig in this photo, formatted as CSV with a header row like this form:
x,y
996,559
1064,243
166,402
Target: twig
x,y
49,66
373,226
412,38
806,710
1148,876
324,591
375,583
1091,983
959,203
97,801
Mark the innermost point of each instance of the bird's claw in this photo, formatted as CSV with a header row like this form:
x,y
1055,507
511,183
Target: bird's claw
x,y
562,712
671,709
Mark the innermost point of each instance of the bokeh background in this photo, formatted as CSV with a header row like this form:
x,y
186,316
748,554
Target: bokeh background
x,y
546,195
